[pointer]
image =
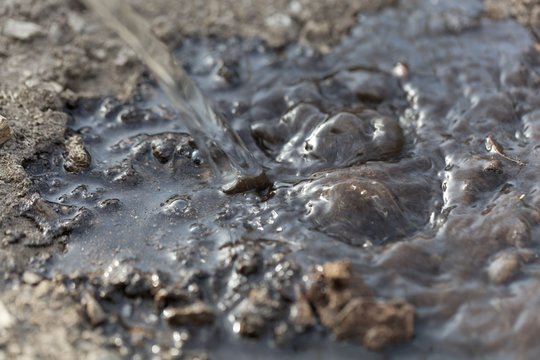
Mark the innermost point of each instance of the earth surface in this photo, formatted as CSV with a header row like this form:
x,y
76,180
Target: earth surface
x,y
402,139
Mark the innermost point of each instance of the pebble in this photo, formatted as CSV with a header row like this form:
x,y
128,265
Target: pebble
x,y
21,30
197,313
31,278
503,268
76,22
94,311
6,319
5,130
77,158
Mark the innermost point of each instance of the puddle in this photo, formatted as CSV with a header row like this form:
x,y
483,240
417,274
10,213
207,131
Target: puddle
x,y
377,152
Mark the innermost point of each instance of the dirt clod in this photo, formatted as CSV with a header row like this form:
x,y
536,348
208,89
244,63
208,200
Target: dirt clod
x,y
346,307
77,158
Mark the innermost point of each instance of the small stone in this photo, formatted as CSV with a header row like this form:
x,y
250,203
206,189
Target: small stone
x,y
339,270
76,22
124,57
5,130
503,268
99,54
251,326
280,28
376,324
42,289
248,264
94,311
110,205
31,278
197,313
22,30
172,294
302,315
6,319
77,158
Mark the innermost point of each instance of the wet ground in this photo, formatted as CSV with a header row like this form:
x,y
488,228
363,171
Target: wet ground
x,y
405,160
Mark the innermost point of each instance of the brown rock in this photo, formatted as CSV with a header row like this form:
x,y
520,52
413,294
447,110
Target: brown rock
x,y
374,323
346,307
258,312
250,325
334,284
302,315
31,278
5,130
197,313
94,311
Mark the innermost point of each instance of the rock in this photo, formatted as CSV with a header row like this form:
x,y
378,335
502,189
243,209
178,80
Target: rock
x,y
5,130
43,289
257,313
31,278
280,29
251,325
77,158
503,268
76,22
375,324
302,315
197,313
248,263
6,319
172,294
22,30
94,311
346,307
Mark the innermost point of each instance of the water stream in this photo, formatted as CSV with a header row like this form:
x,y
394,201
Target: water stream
x,y
230,160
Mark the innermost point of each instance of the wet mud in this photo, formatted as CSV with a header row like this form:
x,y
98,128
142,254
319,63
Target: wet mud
x,y
411,150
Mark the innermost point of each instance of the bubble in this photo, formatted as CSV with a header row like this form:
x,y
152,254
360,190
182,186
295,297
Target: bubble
x,y
177,205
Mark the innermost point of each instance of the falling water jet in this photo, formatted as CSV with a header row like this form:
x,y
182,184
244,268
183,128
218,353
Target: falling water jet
x,y
227,155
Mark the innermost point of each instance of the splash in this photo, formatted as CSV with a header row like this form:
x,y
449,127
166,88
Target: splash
x,y
229,158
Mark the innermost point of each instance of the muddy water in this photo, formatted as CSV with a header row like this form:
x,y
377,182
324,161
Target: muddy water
x,y
411,149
